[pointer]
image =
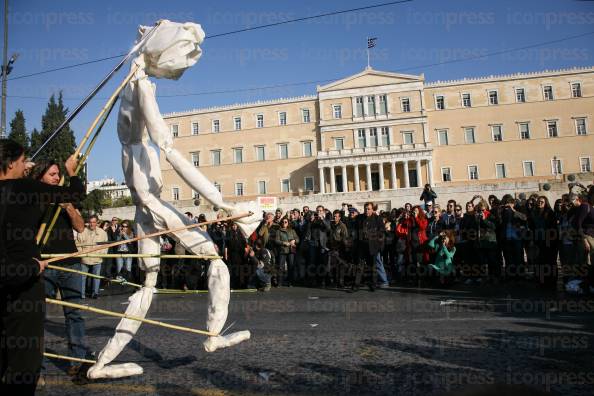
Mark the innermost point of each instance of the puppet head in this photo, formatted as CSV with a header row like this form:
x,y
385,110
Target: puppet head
x,y
171,49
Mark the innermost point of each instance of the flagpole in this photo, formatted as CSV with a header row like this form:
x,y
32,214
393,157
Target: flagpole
x,y
368,65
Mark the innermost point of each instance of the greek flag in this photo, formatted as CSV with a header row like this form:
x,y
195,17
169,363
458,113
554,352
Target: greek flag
x,y
371,42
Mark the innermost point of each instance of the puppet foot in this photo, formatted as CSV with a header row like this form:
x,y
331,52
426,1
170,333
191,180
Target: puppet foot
x,y
214,343
114,371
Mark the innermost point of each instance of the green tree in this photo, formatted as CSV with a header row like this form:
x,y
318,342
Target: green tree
x,y
64,144
18,131
94,203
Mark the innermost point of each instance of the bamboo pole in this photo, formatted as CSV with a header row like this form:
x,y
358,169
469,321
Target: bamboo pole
x,y
106,110
175,291
130,317
122,281
154,234
72,359
135,255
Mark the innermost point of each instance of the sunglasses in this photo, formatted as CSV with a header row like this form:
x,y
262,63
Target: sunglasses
x,y
124,226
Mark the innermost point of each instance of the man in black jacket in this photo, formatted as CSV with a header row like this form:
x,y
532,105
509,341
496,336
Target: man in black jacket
x,y
370,243
320,227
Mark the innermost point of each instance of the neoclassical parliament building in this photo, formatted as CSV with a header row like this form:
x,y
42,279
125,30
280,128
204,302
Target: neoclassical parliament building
x,y
377,132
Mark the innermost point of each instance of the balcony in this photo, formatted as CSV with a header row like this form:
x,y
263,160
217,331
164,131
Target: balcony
x,y
373,150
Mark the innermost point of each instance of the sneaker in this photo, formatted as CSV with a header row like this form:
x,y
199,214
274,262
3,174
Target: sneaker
x,y
267,287
383,285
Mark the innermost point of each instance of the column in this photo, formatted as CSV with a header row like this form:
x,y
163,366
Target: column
x,y
322,182
332,180
393,174
345,186
381,175
356,177
368,174
354,103
406,181
419,180
365,111
367,138
430,171
377,107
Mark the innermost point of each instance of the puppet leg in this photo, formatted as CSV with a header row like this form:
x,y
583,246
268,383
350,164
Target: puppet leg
x,y
139,304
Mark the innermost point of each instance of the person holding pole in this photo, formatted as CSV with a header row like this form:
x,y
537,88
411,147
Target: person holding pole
x,y
22,293
61,240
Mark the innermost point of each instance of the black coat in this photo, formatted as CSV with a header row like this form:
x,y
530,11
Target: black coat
x,y
371,234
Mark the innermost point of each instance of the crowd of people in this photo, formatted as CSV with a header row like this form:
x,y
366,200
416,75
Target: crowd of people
x,y
484,240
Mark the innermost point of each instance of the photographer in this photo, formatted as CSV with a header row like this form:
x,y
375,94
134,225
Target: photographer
x,y
260,259
443,245
320,227
428,195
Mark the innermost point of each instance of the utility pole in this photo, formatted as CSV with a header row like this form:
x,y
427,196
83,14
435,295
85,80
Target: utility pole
x,y
4,70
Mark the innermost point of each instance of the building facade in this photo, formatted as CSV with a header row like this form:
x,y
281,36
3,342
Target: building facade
x,y
377,131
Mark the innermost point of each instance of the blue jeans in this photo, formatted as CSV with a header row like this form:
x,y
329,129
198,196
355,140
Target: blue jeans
x,y
95,270
69,286
381,272
120,261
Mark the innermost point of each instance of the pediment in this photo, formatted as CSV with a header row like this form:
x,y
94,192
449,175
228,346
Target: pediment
x,y
369,78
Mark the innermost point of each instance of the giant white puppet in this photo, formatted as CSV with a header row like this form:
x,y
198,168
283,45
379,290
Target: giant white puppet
x,y
170,50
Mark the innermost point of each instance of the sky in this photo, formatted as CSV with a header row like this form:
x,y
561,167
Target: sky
x,y
419,36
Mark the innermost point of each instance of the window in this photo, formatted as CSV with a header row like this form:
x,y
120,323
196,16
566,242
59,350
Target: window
x,y
373,137
493,98
260,121
238,155
528,167
307,149
216,126
552,129
548,92
305,115
497,133
439,102
237,123
175,193
585,165
442,137
371,105
473,172
524,130
520,95
195,128
285,185
282,118
215,157
446,175
239,189
556,166
339,143
283,150
407,137
262,187
500,171
576,90
405,103
469,135
359,106
175,130
361,141
386,136
195,159
308,183
466,102
260,153
337,111
580,126
383,104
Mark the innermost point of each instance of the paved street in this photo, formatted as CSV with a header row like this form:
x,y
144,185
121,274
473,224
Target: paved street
x,y
311,341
